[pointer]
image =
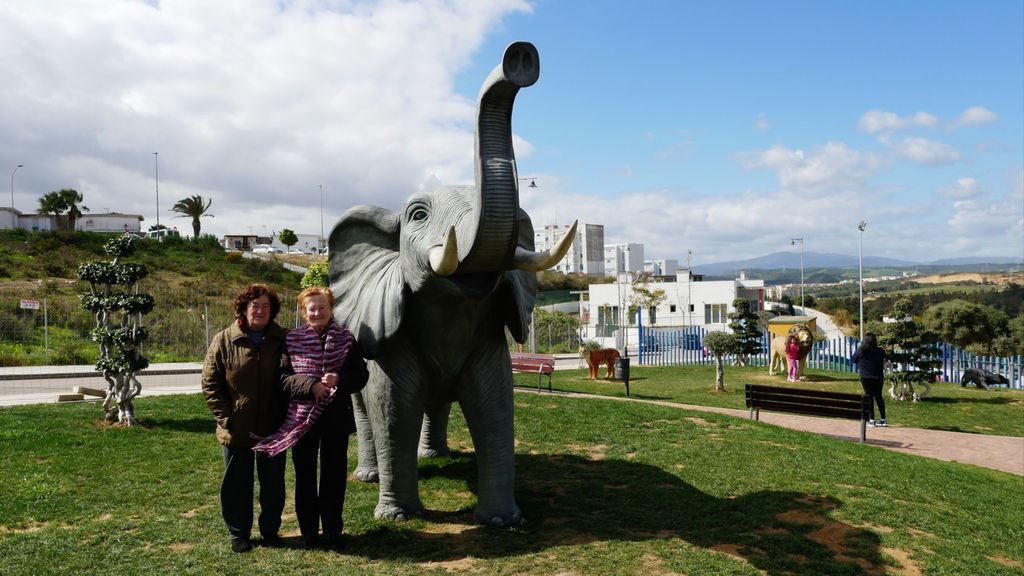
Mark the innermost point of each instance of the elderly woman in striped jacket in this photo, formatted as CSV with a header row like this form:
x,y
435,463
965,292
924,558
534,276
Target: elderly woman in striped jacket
x,y
321,367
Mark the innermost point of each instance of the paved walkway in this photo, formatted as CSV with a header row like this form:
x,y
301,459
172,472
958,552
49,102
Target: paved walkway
x,y
1005,453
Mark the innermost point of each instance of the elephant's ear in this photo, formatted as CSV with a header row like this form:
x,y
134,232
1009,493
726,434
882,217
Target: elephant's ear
x,y
520,287
365,274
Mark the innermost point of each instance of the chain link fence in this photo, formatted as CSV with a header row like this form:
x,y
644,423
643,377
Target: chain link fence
x,y
44,324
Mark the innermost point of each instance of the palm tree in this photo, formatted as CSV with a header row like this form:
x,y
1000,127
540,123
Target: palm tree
x,y
59,202
195,207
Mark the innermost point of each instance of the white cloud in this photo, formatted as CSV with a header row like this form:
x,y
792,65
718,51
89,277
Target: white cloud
x,y
926,152
962,188
253,104
879,121
835,165
973,116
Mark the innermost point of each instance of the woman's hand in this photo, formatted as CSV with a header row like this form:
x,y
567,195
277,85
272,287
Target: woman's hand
x,y
320,391
330,379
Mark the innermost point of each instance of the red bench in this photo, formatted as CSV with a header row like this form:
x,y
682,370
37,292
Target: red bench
x,y
539,364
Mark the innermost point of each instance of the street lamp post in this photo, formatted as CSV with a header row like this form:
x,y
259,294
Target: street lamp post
x,y
14,219
321,246
156,174
793,242
860,261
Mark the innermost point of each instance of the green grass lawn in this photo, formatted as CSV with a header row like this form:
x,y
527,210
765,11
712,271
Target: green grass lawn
x,y
607,488
950,407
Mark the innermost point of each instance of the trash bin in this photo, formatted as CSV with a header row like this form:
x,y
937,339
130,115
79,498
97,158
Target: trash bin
x,y
622,368
622,371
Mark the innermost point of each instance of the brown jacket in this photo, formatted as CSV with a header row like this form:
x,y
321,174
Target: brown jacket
x,y
241,387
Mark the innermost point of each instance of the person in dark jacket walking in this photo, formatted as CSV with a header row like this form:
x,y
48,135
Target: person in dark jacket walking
x,y
321,368
240,383
870,361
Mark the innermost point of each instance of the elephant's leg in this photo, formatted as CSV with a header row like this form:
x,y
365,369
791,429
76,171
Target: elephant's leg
x,y
366,469
434,433
394,405
486,401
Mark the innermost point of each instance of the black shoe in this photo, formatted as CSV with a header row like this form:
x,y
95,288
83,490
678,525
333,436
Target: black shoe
x,y
337,542
240,545
310,542
270,540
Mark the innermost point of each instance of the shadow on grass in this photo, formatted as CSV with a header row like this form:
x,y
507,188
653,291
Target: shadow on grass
x,y
570,500
993,401
198,425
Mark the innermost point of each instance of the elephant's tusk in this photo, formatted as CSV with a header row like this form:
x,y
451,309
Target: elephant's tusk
x,y
538,261
444,260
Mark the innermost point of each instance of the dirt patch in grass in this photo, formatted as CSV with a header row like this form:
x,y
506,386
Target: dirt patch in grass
x,y
595,452
179,547
1009,562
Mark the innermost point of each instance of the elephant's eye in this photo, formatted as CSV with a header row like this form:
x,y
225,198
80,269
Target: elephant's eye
x,y
418,214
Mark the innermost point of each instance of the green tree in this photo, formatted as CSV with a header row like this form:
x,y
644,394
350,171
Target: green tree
x,y
720,344
288,238
746,326
967,324
193,207
59,202
316,275
912,351
118,306
644,297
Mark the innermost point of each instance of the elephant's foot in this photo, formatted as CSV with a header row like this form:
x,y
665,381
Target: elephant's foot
x,y
513,518
434,453
366,474
394,512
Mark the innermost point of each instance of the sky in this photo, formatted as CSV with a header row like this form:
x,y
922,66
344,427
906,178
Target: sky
x,y
719,128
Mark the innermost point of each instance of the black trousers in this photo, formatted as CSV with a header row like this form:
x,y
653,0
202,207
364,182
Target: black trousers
x,y
236,491
314,506
873,388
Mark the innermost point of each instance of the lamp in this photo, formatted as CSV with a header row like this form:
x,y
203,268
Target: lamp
x,y
860,260
793,242
14,219
321,246
156,174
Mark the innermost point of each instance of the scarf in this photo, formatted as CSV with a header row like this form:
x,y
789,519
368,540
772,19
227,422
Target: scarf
x,y
310,356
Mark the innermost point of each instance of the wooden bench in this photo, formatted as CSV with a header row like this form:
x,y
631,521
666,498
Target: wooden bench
x,y
539,364
812,402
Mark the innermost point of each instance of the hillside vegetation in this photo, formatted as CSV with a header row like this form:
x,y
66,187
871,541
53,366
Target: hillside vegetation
x,y
193,284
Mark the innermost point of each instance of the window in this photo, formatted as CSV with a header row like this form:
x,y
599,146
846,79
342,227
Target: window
x,y
672,308
715,313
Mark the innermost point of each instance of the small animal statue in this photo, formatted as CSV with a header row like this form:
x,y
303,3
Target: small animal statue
x,y
982,378
804,338
595,358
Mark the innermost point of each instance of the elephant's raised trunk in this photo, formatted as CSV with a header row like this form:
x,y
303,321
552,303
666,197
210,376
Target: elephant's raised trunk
x,y
493,242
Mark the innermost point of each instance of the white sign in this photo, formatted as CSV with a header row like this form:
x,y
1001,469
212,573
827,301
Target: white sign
x,y
30,304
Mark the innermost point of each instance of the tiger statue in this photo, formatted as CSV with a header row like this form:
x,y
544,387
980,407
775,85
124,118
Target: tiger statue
x,y
595,358
804,340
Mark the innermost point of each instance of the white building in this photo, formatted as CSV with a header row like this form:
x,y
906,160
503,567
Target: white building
x,y
586,255
661,267
109,222
90,222
620,258
689,301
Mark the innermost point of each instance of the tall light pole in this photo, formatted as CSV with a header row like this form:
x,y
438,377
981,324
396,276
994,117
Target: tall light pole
x,y
156,173
793,242
321,246
14,219
860,260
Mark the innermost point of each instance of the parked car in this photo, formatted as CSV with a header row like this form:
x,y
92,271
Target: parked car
x,y
161,233
295,251
266,249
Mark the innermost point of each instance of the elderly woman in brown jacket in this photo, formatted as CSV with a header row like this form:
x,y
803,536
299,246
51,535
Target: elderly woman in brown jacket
x,y
241,387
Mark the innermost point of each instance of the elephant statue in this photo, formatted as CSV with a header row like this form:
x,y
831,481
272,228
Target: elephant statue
x,y
428,291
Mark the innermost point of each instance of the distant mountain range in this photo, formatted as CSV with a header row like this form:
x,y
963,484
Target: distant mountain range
x,y
791,260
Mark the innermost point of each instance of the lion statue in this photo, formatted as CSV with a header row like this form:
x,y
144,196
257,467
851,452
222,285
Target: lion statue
x,y
595,358
804,339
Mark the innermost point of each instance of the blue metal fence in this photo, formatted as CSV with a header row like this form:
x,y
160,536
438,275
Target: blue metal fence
x,y
677,346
